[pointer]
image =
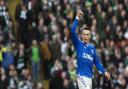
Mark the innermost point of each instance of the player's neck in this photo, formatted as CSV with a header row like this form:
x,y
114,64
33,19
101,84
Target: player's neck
x,y
85,42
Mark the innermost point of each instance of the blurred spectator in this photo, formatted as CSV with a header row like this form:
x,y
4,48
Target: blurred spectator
x,y
3,13
55,46
35,55
13,78
8,57
3,79
8,29
46,56
26,80
22,22
20,59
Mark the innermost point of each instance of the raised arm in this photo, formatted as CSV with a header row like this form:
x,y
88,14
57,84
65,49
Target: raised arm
x,y
74,27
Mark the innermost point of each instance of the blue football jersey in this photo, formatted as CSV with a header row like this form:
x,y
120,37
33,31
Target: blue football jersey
x,y
86,54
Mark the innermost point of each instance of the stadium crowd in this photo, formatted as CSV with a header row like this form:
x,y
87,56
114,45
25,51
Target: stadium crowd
x,y
38,43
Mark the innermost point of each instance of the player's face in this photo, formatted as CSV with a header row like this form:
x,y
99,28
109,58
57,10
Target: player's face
x,y
86,36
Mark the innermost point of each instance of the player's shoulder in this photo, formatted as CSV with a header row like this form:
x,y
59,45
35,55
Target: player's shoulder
x,y
92,46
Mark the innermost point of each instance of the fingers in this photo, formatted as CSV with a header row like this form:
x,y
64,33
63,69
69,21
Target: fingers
x,y
80,14
107,75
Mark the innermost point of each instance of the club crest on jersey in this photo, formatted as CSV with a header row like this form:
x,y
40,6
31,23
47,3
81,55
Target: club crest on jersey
x,y
92,51
87,56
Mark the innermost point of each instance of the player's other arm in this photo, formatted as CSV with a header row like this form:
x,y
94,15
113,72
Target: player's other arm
x,y
100,67
74,27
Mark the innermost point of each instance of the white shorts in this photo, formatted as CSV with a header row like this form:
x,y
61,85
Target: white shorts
x,y
84,82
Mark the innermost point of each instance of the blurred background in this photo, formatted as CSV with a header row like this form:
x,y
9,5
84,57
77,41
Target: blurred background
x,y
36,51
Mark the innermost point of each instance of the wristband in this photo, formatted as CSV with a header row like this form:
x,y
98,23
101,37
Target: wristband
x,y
77,17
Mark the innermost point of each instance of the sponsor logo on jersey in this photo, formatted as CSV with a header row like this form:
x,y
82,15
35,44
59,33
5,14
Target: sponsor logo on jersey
x,y
87,56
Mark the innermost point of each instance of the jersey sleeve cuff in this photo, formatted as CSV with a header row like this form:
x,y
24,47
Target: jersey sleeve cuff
x,y
77,18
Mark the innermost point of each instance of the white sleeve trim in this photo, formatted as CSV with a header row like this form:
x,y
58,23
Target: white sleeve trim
x,y
77,17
